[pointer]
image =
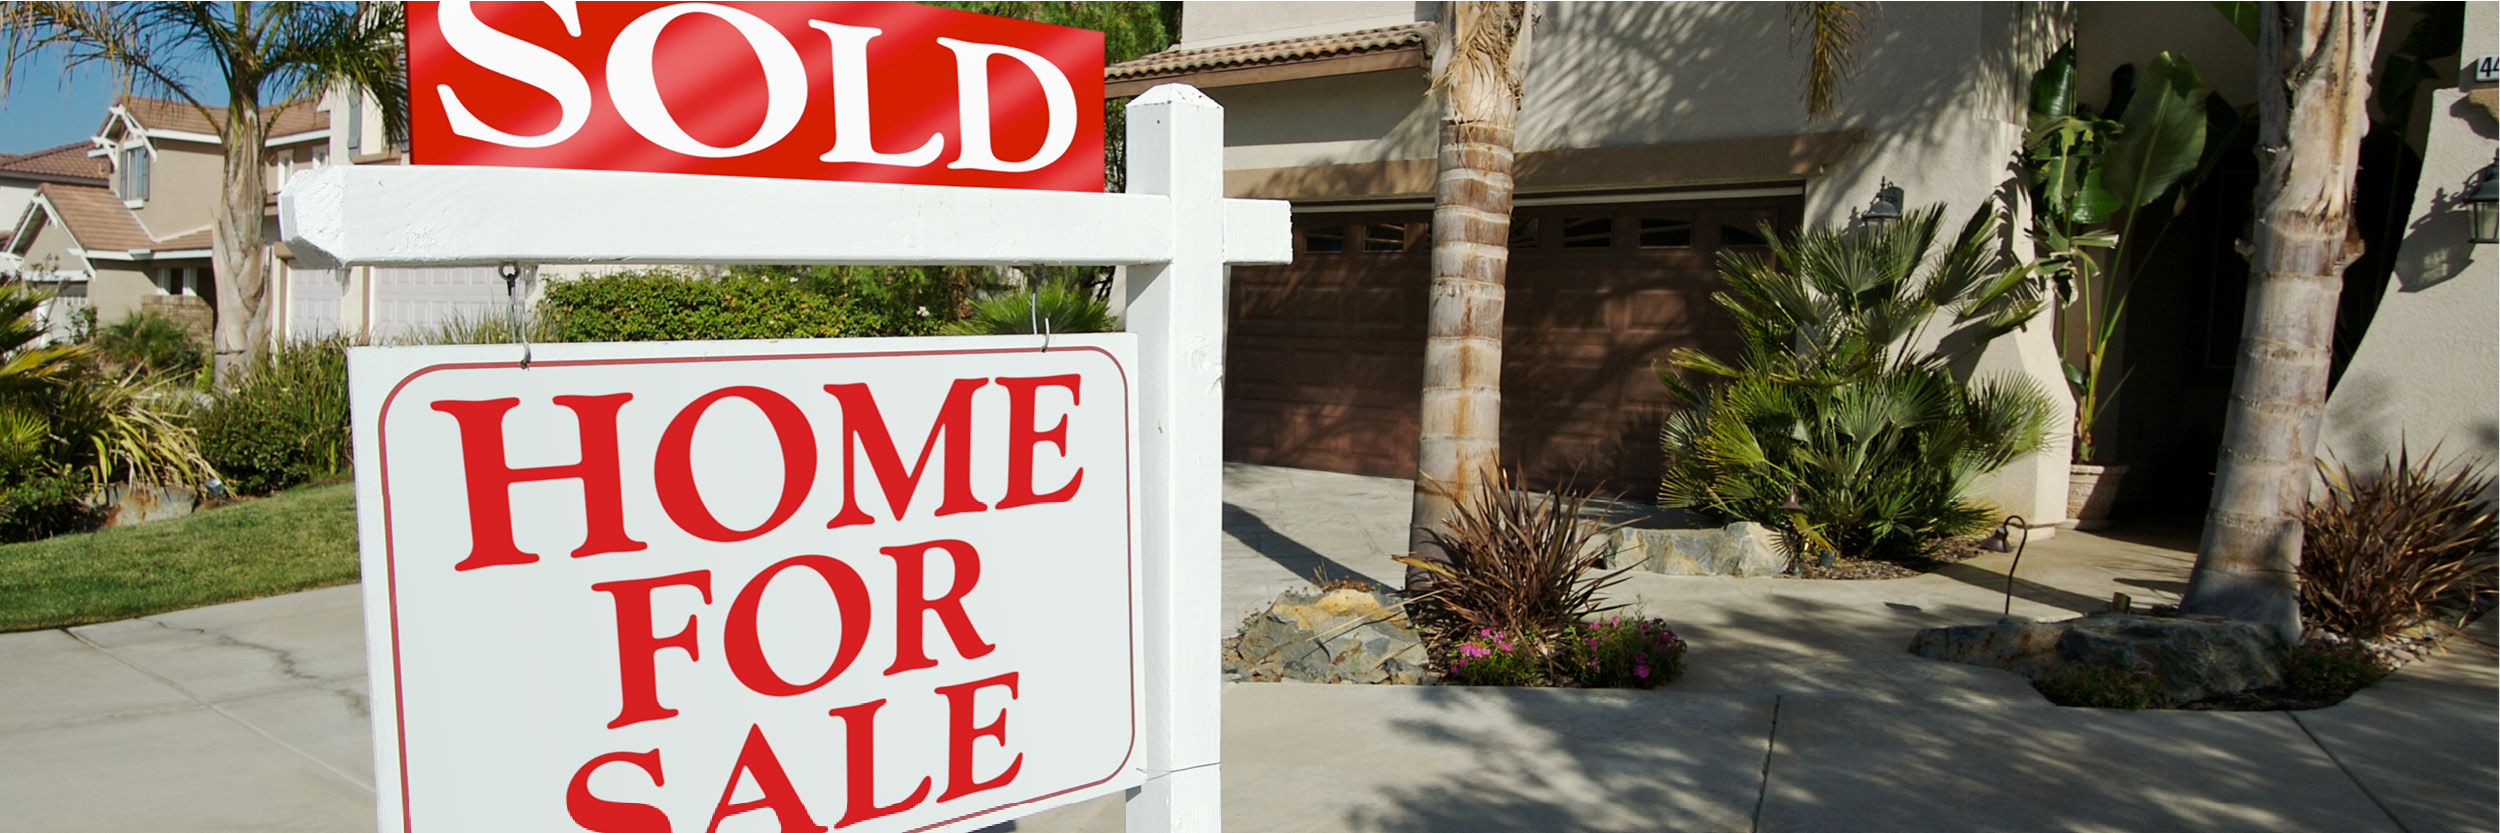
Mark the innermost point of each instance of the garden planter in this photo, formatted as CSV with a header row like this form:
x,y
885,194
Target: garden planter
x,y
2090,492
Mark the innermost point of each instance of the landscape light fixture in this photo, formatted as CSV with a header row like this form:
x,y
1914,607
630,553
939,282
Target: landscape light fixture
x,y
2484,201
1887,207
1998,543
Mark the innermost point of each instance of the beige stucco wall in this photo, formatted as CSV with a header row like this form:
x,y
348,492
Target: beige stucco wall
x,y
2428,371
52,245
182,188
1938,95
1227,23
118,289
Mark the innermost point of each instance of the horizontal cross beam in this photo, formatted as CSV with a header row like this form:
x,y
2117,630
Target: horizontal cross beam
x,y
393,215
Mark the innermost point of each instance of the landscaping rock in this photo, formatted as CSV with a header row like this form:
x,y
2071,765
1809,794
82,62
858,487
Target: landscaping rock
x,y
1341,636
1738,549
2192,657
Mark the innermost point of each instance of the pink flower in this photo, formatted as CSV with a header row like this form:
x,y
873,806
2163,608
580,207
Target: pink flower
x,y
1641,671
1473,650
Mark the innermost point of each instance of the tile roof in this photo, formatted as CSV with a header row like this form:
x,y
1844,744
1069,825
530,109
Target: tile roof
x,y
68,162
99,221
298,116
1291,50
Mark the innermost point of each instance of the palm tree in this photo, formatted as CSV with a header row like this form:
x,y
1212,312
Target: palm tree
x,y
259,51
1485,58
2313,89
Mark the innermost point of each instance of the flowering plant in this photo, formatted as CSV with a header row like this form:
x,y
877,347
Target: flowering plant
x,y
1618,653
1493,657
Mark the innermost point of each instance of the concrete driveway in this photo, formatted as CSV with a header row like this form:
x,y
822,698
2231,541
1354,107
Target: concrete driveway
x,y
1802,713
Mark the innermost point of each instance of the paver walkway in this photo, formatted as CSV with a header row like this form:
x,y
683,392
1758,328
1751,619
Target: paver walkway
x,y
1801,713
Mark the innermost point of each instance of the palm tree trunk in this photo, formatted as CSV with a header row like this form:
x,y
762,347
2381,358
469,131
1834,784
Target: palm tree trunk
x,y
2313,85
241,258
1479,83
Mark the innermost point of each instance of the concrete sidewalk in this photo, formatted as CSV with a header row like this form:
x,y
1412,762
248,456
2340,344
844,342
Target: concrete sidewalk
x,y
1802,713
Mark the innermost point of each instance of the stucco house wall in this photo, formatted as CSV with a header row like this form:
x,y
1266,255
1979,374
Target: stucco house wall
x,y
2428,371
1935,107
182,191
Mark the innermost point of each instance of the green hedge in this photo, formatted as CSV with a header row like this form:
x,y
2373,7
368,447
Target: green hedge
x,y
284,423
661,306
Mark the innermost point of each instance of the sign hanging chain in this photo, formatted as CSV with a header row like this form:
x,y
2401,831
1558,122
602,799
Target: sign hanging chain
x,y
1033,305
511,273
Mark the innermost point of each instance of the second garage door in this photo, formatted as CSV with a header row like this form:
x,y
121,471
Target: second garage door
x,y
1326,356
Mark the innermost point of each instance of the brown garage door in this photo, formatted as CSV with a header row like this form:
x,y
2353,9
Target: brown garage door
x,y
1326,353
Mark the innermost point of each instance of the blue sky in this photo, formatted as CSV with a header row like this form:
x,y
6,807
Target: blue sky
x,y
46,106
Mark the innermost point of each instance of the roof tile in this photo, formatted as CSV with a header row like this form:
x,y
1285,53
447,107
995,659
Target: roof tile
x,y
1292,50
68,161
298,116
96,217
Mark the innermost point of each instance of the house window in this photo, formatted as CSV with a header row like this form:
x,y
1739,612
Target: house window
x,y
135,173
356,127
1662,233
1734,236
181,281
1588,232
1524,232
1327,239
1384,237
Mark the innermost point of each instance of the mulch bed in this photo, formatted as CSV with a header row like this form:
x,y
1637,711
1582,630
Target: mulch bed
x,y
1933,554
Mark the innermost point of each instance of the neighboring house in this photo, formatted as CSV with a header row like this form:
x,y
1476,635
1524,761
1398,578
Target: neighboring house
x,y
20,177
140,241
122,222
1653,138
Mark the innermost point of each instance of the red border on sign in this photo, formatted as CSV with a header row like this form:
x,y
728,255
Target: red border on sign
x,y
390,555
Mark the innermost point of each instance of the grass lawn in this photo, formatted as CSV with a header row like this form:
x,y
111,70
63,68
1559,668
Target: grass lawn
x,y
297,540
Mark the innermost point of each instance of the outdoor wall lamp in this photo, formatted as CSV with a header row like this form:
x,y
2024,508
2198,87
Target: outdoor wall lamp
x,y
2484,201
1887,206
1998,543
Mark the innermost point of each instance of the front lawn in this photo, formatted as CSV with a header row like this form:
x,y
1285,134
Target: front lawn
x,y
298,540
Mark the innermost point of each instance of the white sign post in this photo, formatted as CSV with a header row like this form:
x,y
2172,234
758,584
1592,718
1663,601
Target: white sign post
x,y
880,584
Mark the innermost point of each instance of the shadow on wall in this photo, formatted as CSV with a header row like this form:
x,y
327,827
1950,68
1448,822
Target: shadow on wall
x,y
2438,246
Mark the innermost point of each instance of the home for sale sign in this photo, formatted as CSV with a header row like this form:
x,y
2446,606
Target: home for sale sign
x,y
872,585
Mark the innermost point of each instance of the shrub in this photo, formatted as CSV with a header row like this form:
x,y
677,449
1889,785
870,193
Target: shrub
x,y
284,421
1834,405
666,306
889,300
151,343
2332,669
1615,653
69,426
2384,552
1519,563
1056,307
1493,657
2103,687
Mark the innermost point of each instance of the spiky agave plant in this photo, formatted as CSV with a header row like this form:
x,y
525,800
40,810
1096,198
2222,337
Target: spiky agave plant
x,y
1833,402
2384,551
1520,562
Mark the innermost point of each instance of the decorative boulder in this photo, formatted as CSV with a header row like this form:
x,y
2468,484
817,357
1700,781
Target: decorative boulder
x,y
2192,657
1738,549
1340,636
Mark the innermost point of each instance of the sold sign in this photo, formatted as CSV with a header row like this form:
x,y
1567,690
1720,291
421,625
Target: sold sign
x,y
862,92
862,585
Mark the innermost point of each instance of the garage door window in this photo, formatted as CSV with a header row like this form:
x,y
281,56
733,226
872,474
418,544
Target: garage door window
x,y
1663,233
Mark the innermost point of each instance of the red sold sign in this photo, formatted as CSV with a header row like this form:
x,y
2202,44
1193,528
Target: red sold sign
x,y
862,92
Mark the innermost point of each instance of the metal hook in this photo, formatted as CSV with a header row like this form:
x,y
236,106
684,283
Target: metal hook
x,y
511,273
1033,305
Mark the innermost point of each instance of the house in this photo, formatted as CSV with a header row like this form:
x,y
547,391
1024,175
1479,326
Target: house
x,y
122,223
140,241
1652,138
20,176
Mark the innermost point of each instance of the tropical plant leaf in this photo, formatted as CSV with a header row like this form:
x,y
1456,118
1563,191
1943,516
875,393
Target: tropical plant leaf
x,y
2162,132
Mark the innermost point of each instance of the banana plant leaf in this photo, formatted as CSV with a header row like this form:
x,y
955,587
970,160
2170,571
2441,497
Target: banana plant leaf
x,y
2162,134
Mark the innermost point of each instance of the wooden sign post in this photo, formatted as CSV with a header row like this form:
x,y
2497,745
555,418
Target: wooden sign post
x,y
1173,229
